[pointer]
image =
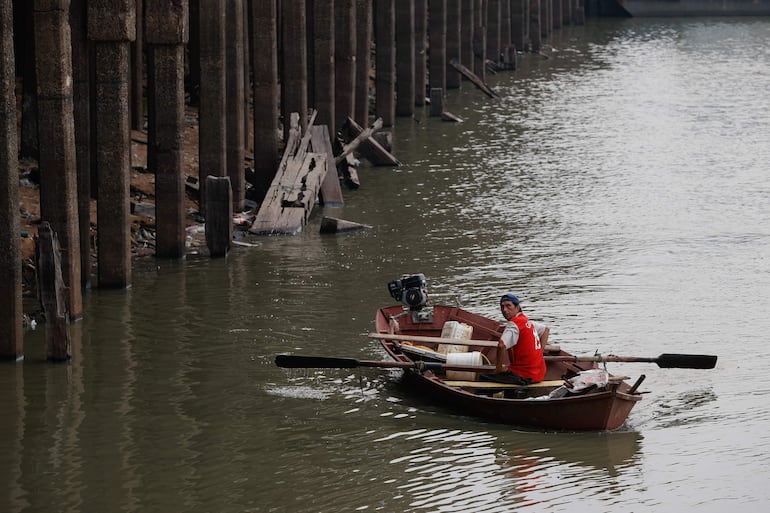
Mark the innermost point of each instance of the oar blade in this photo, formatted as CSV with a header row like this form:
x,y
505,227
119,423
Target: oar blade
x,y
290,361
686,361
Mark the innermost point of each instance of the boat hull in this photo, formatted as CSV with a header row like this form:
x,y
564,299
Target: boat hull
x,y
599,410
692,8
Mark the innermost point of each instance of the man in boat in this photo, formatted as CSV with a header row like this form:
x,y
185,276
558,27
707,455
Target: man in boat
x,y
523,340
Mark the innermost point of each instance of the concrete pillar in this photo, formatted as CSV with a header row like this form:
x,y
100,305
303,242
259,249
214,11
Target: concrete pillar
x,y
493,30
363,59
558,14
81,82
453,77
56,126
11,331
234,104
437,59
385,60
519,23
420,51
480,38
322,58
535,36
405,58
137,70
212,130
111,25
505,26
166,32
294,76
265,93
466,33
344,60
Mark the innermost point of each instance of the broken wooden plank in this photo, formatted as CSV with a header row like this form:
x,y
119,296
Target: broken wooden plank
x,y
475,80
52,293
336,225
360,137
369,147
331,192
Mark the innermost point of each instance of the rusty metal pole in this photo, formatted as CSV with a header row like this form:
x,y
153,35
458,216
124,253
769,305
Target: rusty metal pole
x,y
212,157
363,60
344,60
11,331
265,93
81,74
437,60
420,52
166,30
111,25
405,58
385,60
322,57
294,72
453,77
56,126
235,149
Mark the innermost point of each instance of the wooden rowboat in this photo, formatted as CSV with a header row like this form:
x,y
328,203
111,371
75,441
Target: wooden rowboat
x,y
411,337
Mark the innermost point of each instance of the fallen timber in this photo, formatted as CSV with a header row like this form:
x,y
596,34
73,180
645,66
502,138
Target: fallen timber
x,y
356,138
475,80
293,192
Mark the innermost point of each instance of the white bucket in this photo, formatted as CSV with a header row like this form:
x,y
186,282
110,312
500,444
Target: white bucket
x,y
472,358
455,329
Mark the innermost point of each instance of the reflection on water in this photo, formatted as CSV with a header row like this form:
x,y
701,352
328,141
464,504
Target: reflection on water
x,y
620,187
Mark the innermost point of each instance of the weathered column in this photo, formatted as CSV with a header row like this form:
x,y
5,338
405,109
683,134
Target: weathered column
x,y
519,23
11,331
567,8
111,25
81,98
294,76
166,34
344,60
234,105
212,130
420,51
466,33
493,30
56,126
453,77
480,38
137,71
28,145
558,14
265,93
545,27
535,36
437,60
505,26
363,59
322,58
579,12
385,60
405,57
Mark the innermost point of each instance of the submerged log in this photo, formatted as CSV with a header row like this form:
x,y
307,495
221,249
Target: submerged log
x,y
335,225
475,80
52,293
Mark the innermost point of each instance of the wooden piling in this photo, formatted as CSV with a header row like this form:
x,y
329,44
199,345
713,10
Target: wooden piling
x,y
81,98
56,126
137,70
11,311
453,79
211,111
234,104
111,26
322,59
219,215
479,65
437,58
466,33
420,51
405,98
166,35
363,59
265,93
505,27
52,294
519,23
385,60
558,14
493,30
294,72
436,102
344,60
535,35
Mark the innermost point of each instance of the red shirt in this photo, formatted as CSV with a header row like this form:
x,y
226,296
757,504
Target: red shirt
x,y
526,357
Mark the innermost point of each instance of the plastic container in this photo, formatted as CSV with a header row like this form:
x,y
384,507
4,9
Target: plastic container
x,y
455,329
472,358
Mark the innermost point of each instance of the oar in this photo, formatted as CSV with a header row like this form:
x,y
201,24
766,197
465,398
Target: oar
x,y
293,361
439,340
664,361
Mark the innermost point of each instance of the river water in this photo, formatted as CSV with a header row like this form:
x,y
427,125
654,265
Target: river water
x,y
620,187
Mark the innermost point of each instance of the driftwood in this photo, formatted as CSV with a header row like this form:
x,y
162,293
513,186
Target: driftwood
x,y
52,293
335,225
294,189
367,146
360,137
473,78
